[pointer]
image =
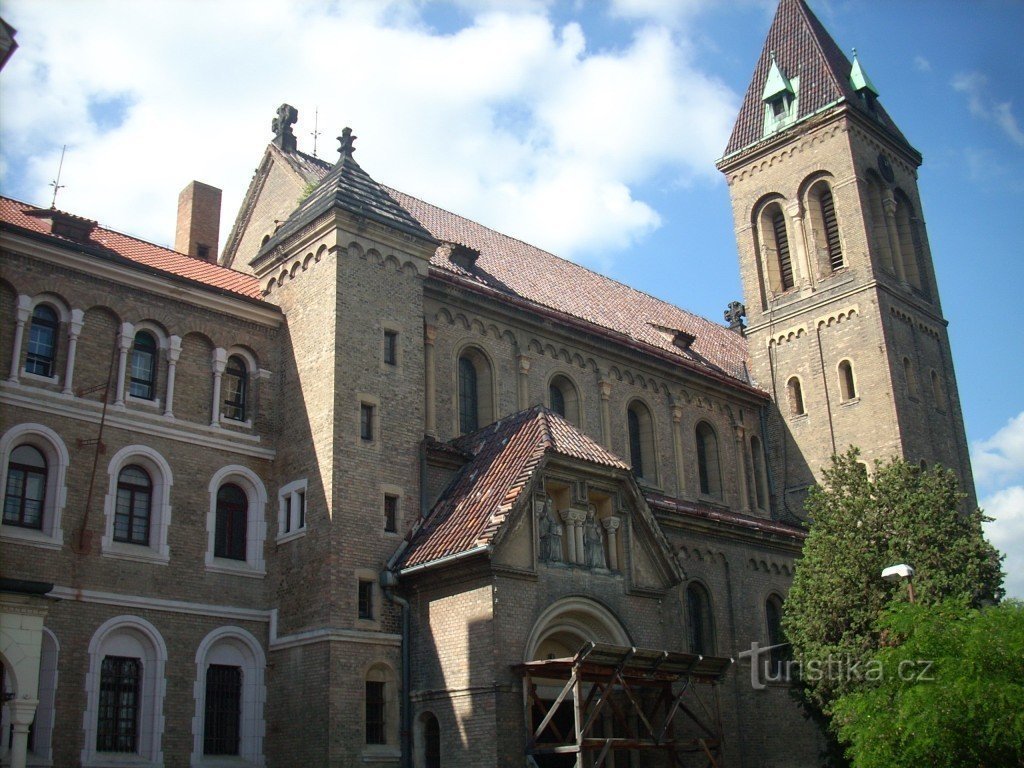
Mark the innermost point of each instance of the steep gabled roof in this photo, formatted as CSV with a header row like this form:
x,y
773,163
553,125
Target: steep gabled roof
x,y
509,267
804,49
111,243
504,456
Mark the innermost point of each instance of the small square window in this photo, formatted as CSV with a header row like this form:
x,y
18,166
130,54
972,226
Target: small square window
x,y
391,347
365,599
390,513
366,421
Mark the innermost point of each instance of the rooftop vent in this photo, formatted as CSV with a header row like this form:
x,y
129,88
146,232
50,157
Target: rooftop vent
x,y
64,224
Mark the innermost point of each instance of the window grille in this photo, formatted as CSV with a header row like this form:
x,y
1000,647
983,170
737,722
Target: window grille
x,y
222,723
118,725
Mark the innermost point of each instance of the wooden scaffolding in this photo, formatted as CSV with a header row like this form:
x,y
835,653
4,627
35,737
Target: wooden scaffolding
x,y
616,700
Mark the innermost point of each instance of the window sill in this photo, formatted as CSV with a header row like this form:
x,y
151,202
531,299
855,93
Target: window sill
x,y
284,538
140,553
381,753
224,761
797,417
229,422
851,401
119,761
55,379
154,403
235,568
31,536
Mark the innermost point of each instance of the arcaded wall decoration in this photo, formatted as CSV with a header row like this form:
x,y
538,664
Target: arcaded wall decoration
x,y
578,534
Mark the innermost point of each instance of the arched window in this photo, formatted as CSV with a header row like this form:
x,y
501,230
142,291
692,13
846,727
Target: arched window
x,y
640,426
708,467
936,390
235,385
229,697
825,227
232,520
760,473
475,402
25,492
847,385
907,239
776,640
911,377
144,365
796,397
431,741
134,506
775,242
565,398
879,223
380,707
699,621
42,342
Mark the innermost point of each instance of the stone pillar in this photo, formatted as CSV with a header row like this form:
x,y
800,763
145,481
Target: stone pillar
x,y
23,312
524,382
889,203
74,330
611,525
801,263
605,387
741,469
22,713
220,361
578,519
125,343
569,516
173,353
429,380
677,447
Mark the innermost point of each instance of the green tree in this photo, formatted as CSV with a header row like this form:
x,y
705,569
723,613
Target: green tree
x,y
950,690
860,525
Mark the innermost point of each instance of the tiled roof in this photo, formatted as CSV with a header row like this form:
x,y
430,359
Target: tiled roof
x,y
804,49
504,456
138,251
661,503
510,267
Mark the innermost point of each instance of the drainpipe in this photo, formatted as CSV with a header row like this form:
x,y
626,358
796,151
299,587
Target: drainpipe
x,y
389,581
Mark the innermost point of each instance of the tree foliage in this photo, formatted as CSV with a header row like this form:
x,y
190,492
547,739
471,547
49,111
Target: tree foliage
x,y
950,693
860,525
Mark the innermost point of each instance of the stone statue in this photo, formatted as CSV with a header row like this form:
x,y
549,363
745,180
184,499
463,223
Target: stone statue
x,y
593,541
550,533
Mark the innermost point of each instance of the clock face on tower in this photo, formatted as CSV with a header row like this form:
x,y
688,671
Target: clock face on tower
x,y
885,168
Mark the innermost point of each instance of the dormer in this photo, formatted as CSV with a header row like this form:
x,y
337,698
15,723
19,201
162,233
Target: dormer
x,y
780,99
862,85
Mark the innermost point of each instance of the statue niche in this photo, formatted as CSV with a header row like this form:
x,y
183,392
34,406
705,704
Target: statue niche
x,y
550,532
589,539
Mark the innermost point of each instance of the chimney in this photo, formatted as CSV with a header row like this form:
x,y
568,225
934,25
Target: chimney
x,y
198,230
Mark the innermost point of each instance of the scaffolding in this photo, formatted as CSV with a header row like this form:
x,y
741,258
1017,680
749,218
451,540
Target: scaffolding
x,y
618,700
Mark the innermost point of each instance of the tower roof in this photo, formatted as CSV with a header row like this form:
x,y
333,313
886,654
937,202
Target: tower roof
x,y
799,46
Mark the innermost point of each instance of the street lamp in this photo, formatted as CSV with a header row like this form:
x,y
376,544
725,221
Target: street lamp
x,y
898,572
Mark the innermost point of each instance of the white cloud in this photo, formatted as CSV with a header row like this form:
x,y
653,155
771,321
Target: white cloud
x,y
985,107
510,120
1000,458
1006,532
921,64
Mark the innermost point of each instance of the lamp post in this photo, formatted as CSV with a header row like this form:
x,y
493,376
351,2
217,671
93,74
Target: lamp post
x,y
898,572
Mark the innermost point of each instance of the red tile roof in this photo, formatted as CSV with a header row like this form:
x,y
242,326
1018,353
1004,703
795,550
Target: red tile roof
x,y
803,48
504,456
514,269
138,251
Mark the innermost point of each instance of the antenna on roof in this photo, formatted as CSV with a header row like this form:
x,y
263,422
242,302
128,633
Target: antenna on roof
x,y
57,186
315,133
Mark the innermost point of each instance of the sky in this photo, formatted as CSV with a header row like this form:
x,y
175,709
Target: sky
x,y
589,129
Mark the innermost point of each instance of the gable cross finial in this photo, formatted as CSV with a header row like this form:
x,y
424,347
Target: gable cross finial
x,y
734,315
282,127
347,142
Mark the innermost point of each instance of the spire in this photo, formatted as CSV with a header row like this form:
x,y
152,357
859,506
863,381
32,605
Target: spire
x,y
859,80
799,51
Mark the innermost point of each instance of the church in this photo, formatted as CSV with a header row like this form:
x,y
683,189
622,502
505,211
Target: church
x,y
376,484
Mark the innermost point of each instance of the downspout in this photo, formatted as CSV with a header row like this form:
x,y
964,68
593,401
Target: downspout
x,y
389,581
423,478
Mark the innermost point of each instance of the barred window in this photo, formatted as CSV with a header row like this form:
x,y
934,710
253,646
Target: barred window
x,y
25,496
230,531
134,505
390,513
236,388
376,711
143,379
221,725
42,342
118,725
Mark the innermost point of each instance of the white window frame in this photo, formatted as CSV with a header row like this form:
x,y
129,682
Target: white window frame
x,y
163,344
252,371
39,436
159,471
232,646
256,522
288,529
134,637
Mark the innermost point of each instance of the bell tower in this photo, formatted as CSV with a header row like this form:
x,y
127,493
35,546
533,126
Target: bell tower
x,y
845,326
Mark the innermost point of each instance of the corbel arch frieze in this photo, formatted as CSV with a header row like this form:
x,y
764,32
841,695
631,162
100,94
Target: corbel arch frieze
x,y
839,316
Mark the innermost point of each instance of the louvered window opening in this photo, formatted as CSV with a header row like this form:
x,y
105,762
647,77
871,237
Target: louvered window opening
x,y
828,216
782,247
222,723
118,724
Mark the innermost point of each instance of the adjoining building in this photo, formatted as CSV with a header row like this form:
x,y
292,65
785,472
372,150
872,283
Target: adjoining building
x,y
378,484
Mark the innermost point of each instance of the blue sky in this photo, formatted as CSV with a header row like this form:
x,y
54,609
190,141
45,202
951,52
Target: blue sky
x,y
587,128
